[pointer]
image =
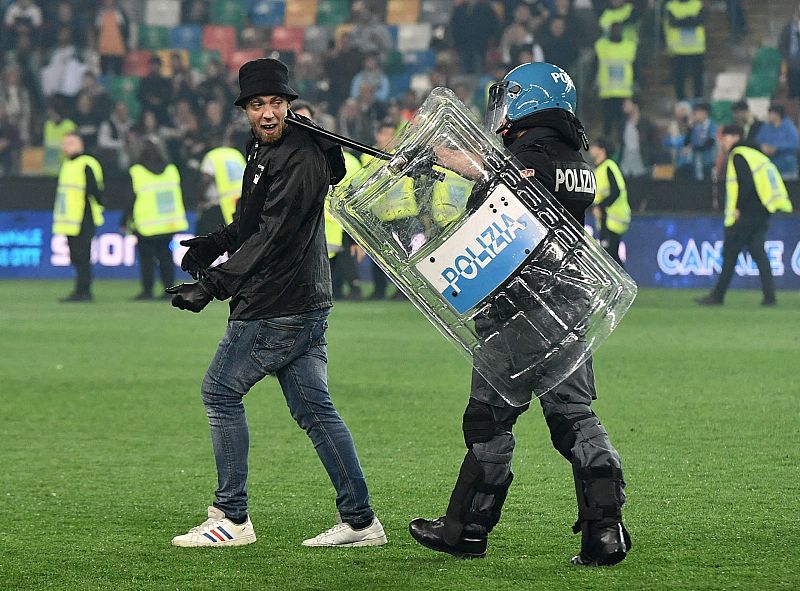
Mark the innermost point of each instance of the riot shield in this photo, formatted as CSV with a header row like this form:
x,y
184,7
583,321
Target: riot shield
x,y
484,251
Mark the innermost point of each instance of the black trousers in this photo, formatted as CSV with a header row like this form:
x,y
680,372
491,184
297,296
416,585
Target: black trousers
x,y
80,255
152,250
610,242
747,233
688,66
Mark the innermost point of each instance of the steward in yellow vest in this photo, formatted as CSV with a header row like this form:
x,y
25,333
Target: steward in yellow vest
x,y
156,214
611,208
78,210
54,131
223,170
615,67
684,27
624,13
753,191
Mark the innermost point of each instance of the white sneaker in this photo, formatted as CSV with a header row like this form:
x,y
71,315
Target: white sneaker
x,y
344,536
217,531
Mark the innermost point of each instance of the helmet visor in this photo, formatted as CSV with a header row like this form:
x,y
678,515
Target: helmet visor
x,y
500,94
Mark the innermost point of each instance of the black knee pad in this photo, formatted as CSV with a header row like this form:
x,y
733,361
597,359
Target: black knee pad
x,y
479,424
562,433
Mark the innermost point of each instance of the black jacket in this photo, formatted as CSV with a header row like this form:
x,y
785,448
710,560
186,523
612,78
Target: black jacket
x,y
550,146
279,259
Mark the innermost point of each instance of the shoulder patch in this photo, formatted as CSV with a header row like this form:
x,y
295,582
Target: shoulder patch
x,y
527,172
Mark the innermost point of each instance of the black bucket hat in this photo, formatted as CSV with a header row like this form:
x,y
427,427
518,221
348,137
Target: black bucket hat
x,y
265,76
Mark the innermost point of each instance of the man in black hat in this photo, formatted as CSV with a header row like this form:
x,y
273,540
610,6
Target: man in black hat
x,y
279,284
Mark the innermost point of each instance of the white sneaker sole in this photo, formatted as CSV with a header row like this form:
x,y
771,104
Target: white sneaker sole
x,y
376,541
243,541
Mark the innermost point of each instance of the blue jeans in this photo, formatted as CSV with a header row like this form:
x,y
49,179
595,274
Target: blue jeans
x,y
293,349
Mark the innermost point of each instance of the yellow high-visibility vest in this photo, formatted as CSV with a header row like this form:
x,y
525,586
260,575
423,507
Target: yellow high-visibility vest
x,y
618,214
52,136
449,198
611,16
334,233
615,68
398,201
71,196
228,165
684,40
158,208
766,178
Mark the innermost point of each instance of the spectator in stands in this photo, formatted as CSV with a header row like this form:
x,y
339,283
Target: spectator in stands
x,y
188,141
195,12
23,18
88,120
63,16
639,141
341,64
372,75
518,36
214,85
702,142
147,128
63,74
789,46
778,139
474,26
409,104
615,56
155,92
746,120
685,33
675,140
111,28
558,47
370,33
10,144
574,29
17,103
540,11
181,79
624,13
112,138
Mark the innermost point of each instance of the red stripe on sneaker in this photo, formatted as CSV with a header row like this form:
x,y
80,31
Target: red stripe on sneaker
x,y
217,534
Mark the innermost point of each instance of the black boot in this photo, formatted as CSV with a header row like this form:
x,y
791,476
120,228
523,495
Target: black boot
x,y
431,535
603,546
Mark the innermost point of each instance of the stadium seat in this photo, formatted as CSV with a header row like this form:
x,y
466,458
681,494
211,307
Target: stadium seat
x,y
123,88
301,13
399,83
153,37
137,63
333,12
228,12
399,12
166,59
268,13
317,39
721,112
416,37
220,38
419,61
764,73
729,86
436,12
162,13
186,37
32,160
288,39
759,106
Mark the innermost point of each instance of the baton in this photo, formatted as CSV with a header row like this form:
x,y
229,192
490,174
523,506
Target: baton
x,y
396,161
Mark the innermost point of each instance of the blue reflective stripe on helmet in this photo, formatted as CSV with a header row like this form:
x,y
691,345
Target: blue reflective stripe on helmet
x,y
541,86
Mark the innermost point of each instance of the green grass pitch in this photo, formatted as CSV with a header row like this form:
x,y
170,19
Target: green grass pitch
x,y
105,451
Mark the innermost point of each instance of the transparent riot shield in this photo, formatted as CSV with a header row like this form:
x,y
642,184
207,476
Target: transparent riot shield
x,y
484,251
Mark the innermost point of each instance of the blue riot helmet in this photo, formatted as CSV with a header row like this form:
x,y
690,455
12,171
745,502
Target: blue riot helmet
x,y
529,89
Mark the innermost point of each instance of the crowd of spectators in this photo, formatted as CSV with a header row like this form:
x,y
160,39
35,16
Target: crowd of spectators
x,y
105,70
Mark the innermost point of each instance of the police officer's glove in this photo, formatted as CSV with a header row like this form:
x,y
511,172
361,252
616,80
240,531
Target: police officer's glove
x,y
190,296
203,250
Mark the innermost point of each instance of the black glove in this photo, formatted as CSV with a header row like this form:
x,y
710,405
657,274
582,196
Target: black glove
x,y
203,250
189,296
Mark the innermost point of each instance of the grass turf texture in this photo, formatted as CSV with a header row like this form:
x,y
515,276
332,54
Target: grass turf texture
x,y
106,453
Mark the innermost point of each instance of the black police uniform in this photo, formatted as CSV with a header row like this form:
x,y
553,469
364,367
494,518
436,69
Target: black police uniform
x,y
551,141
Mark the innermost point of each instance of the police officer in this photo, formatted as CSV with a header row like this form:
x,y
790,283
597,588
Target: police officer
x,y
155,214
534,110
78,211
223,169
754,189
611,208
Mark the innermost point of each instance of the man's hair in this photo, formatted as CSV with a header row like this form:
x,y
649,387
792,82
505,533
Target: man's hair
x,y
779,109
703,107
602,143
297,105
733,129
740,106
